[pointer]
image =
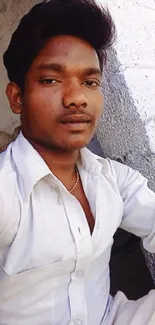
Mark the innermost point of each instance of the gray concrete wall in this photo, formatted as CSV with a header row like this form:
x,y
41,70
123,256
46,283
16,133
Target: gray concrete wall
x,y
122,133
11,12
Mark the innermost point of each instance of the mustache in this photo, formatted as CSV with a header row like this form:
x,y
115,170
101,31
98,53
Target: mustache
x,y
80,114
76,118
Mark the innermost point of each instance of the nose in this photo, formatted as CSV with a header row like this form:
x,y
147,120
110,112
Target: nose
x,y
74,98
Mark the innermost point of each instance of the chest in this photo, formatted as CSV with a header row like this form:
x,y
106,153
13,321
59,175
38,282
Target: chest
x,y
83,201
55,226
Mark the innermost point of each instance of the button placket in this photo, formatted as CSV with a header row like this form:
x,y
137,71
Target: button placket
x,y
83,244
78,322
80,273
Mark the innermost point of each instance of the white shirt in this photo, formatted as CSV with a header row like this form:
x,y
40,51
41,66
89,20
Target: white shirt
x,y
52,270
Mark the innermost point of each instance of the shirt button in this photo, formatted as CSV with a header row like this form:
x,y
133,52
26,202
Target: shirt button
x,y
78,322
79,273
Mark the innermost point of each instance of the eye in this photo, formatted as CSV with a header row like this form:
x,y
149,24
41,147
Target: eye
x,y
48,81
91,83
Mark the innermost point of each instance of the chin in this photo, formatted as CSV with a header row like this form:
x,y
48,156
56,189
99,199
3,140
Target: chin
x,y
75,145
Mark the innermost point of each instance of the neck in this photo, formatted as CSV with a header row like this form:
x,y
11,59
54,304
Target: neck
x,y
61,163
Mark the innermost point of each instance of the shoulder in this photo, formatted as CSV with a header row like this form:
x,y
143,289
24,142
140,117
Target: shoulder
x,y
109,167
8,175
5,162
10,203
123,175
113,167
9,194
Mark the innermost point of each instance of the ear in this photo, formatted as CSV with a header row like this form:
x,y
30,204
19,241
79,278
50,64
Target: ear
x,y
14,95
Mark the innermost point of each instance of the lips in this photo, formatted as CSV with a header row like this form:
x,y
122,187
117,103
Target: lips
x,y
76,123
75,119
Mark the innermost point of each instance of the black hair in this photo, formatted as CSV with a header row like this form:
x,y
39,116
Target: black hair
x,y
82,18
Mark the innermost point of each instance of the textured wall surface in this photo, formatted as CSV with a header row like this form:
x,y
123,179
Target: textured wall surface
x,y
127,128
11,12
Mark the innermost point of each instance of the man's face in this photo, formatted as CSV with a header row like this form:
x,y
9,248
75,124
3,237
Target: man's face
x,y
62,99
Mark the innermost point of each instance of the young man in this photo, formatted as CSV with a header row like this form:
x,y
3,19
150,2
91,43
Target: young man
x,y
60,205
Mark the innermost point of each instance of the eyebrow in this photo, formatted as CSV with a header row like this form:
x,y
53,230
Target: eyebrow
x,y
61,68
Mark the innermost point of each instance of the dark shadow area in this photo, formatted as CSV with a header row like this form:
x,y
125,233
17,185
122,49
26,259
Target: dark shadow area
x,y
128,270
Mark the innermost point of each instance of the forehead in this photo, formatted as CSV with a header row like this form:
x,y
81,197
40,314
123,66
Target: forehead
x,y
68,50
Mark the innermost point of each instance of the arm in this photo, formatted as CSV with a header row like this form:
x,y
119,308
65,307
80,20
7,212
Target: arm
x,y
139,204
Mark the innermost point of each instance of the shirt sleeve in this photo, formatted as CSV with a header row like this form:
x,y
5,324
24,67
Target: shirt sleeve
x,y
139,204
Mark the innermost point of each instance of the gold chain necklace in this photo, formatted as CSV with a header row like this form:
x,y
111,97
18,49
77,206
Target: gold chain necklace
x,y
77,181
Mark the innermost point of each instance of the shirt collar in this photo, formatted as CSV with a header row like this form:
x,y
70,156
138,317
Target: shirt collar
x,y
91,162
33,168
29,164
